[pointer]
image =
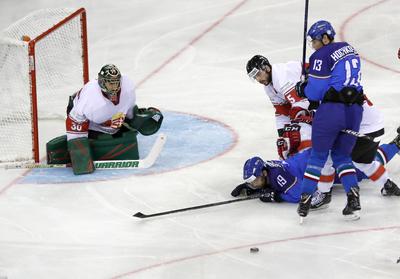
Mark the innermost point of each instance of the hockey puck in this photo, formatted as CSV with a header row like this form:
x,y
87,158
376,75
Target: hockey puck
x,y
254,249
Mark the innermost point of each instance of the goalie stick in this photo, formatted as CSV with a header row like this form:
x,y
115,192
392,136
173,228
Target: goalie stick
x,y
145,163
142,216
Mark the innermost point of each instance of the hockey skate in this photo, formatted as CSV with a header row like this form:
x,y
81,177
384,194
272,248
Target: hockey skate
x,y
304,205
320,200
390,189
353,207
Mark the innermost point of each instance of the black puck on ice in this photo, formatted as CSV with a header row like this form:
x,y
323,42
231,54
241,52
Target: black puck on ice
x,y
254,249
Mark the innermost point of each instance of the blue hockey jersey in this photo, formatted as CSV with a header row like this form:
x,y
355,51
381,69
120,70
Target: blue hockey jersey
x,y
285,176
335,65
283,179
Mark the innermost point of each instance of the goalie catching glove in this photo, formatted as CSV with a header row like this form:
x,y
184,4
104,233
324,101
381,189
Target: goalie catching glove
x,y
146,121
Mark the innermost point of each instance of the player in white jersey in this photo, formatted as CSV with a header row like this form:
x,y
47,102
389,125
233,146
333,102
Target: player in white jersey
x,y
106,106
363,155
279,81
102,105
291,112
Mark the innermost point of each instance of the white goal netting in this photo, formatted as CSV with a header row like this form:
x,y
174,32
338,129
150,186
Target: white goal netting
x,y
58,73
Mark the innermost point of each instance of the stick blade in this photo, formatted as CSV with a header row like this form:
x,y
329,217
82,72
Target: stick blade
x,y
139,215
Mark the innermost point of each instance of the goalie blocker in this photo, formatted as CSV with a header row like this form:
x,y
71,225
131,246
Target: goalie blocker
x,y
81,152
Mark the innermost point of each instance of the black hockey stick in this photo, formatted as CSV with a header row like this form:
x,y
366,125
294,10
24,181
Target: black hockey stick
x,y
303,74
359,135
141,215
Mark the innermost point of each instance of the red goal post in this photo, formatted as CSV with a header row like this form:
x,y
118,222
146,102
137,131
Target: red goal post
x,y
43,60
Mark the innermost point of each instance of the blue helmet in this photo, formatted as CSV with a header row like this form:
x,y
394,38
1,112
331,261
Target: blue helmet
x,y
252,168
318,29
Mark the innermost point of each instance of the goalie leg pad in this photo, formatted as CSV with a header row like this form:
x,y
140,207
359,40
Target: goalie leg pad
x,y
106,147
81,156
57,151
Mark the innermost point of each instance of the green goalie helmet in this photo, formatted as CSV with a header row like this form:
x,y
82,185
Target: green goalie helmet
x,y
109,79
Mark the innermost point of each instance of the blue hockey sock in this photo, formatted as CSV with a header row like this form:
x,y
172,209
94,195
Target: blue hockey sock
x,y
309,186
386,152
310,180
313,171
347,175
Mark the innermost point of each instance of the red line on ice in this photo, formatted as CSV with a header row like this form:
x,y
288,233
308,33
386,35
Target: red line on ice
x,y
265,243
353,16
192,42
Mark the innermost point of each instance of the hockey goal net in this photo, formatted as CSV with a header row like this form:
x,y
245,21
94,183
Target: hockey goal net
x,y
43,60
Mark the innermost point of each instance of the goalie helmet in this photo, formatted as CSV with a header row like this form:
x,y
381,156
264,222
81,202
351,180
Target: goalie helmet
x,y
109,79
319,29
255,64
252,169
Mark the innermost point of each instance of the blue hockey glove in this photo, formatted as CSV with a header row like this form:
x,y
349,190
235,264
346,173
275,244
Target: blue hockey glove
x,y
299,87
244,189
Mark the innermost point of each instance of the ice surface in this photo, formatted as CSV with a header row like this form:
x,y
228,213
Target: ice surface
x,y
188,58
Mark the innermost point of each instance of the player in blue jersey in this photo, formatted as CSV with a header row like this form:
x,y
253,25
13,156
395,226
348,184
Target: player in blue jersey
x,y
281,180
335,80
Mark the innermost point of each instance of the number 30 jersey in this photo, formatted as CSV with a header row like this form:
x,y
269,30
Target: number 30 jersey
x,y
93,111
335,65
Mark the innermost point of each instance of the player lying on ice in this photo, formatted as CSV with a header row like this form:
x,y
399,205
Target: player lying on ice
x,y
279,81
280,180
102,123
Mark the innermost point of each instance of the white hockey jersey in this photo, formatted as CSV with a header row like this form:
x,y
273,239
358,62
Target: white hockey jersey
x,y
372,119
93,111
281,91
